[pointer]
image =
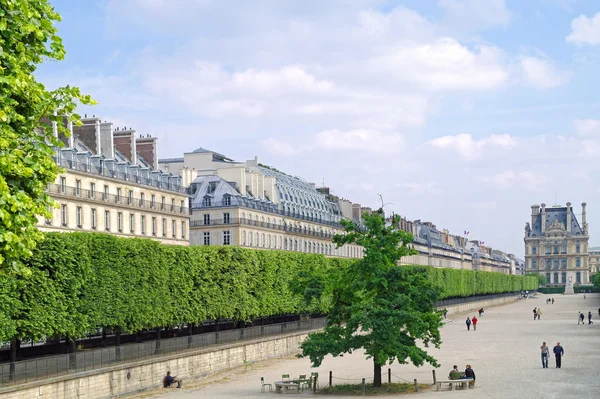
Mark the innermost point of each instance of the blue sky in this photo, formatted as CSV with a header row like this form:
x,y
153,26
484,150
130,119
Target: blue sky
x,y
461,112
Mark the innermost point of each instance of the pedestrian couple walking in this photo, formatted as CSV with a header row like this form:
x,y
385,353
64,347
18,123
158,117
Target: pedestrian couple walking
x,y
471,321
559,352
581,318
537,314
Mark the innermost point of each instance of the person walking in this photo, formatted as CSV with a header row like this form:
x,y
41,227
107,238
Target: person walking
x,y
545,353
539,313
474,321
583,296
590,318
581,318
553,301
534,313
598,312
468,321
559,352
445,313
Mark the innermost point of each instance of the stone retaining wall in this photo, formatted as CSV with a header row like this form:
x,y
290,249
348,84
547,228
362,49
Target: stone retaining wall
x,y
473,306
120,380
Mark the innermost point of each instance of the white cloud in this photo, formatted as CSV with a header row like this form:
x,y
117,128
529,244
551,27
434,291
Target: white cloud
x,y
470,148
360,139
444,64
587,127
585,30
286,78
542,73
280,147
509,179
419,188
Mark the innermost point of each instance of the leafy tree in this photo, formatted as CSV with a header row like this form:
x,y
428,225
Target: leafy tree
x,y
378,305
27,108
539,276
596,280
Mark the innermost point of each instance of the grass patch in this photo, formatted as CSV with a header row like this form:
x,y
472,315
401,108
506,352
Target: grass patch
x,y
356,389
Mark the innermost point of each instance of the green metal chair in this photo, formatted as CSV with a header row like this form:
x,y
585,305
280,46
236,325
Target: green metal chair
x,y
304,382
263,385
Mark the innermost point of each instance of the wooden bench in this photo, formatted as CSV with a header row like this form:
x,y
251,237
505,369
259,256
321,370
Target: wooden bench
x,y
463,383
288,385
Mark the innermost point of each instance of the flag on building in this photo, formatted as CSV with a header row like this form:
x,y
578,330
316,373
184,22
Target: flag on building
x,y
467,232
481,242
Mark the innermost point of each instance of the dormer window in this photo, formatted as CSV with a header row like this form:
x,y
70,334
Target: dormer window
x,y
227,200
212,187
207,201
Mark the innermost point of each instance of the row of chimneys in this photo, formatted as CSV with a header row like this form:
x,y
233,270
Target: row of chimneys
x,y
101,138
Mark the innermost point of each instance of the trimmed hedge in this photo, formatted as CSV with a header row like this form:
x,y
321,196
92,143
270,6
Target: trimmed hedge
x,y
83,281
464,283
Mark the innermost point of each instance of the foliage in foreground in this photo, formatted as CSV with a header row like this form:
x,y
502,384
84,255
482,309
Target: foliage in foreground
x,y
27,38
384,389
376,305
79,282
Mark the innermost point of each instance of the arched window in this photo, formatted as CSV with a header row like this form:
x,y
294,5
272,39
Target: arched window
x,y
249,238
578,277
263,240
243,238
256,236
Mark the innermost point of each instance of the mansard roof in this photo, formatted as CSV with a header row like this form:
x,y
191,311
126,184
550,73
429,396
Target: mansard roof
x,y
554,216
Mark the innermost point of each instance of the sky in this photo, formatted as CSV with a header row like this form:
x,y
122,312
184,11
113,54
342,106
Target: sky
x,y
459,112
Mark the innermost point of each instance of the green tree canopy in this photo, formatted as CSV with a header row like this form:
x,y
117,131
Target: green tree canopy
x,y
27,37
377,305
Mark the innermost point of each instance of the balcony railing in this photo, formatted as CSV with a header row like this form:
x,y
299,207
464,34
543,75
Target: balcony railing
x,y
270,226
102,197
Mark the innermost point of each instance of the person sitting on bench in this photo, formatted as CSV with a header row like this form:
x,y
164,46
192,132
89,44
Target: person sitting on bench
x,y
170,380
455,374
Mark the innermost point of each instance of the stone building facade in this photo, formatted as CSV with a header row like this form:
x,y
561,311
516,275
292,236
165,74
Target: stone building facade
x,y
556,244
103,190
251,205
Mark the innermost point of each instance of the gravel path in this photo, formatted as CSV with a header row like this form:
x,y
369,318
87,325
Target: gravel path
x,y
504,353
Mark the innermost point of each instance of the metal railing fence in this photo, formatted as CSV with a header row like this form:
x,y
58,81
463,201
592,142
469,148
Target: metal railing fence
x,y
52,366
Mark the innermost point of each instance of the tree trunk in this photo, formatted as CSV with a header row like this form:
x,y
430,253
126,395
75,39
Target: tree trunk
x,y
376,375
15,345
71,351
157,341
118,344
190,334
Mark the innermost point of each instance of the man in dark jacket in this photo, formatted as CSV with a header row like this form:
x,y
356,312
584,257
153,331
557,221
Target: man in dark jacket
x,y
469,373
559,352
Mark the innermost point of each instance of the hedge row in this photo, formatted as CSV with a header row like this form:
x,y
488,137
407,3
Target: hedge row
x,y
83,281
463,283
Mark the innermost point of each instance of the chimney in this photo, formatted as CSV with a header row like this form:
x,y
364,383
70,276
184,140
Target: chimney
x,y
147,148
535,211
543,218
125,142
107,146
583,217
569,210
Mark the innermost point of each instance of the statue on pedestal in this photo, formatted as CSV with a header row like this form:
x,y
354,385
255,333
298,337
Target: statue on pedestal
x,y
569,287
